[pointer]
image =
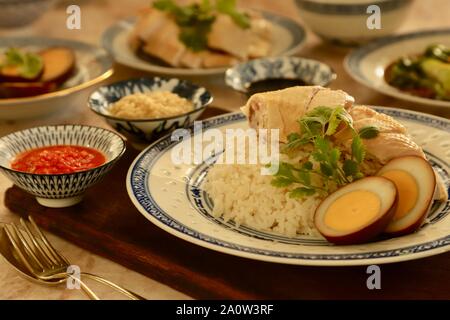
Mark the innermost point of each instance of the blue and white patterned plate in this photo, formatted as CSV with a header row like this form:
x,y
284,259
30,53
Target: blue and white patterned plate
x,y
313,72
288,37
368,63
171,196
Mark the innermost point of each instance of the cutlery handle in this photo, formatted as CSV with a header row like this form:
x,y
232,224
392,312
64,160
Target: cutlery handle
x,y
85,288
128,293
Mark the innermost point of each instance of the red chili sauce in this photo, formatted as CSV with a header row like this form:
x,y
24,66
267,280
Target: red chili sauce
x,y
58,160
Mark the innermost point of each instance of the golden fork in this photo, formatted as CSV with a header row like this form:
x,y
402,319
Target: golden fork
x,y
45,262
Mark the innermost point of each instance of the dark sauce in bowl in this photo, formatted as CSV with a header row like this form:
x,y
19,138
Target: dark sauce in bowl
x,y
272,84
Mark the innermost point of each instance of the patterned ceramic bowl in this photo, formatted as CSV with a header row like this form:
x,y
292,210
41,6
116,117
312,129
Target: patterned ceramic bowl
x,y
59,190
311,72
144,131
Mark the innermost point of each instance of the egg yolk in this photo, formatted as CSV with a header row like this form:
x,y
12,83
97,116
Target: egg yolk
x,y
352,210
407,189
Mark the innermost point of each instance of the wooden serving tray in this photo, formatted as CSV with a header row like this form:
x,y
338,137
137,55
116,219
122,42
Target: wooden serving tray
x,y
107,223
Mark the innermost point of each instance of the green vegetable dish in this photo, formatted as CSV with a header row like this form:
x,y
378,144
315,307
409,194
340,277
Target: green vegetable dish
x,y
426,75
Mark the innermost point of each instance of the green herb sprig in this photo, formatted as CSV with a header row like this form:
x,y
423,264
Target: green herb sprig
x,y
29,65
317,128
195,20
229,7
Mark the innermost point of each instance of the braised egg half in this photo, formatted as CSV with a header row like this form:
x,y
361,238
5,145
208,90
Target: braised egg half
x,y
357,212
415,181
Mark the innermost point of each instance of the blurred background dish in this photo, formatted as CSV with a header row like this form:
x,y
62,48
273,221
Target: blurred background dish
x,y
278,73
288,37
19,13
142,131
65,189
368,64
92,65
345,21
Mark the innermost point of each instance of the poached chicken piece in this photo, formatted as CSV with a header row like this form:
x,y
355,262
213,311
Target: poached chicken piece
x,y
244,44
281,109
157,35
392,140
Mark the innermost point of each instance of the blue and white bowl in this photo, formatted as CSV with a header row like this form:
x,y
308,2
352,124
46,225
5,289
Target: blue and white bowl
x,y
313,72
349,22
141,132
59,190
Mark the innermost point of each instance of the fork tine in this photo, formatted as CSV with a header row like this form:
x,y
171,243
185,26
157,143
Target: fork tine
x,y
28,249
41,244
17,249
11,233
48,259
47,244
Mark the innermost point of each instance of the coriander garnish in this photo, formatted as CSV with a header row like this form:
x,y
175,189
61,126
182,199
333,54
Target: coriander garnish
x,y
195,20
330,168
29,65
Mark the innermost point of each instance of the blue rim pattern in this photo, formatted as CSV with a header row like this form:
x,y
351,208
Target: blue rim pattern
x,y
139,173
149,130
313,72
102,98
203,204
349,8
59,186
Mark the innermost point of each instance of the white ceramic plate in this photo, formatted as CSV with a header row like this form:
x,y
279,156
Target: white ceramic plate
x,y
367,64
173,199
288,39
92,66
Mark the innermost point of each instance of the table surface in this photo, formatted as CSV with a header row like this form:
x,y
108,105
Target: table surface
x,y
96,17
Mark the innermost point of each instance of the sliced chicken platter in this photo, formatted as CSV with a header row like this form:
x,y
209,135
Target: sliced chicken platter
x,y
219,40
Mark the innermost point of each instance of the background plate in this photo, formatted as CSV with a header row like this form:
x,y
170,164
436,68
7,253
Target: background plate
x,y
367,64
288,39
93,65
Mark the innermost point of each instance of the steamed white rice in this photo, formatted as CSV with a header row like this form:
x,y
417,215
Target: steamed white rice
x,y
240,193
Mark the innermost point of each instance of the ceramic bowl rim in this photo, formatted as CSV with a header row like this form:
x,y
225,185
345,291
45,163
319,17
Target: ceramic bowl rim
x,y
107,116
107,163
349,6
235,69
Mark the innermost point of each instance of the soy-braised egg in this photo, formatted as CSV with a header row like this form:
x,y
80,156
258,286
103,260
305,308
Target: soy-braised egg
x,y
415,181
357,212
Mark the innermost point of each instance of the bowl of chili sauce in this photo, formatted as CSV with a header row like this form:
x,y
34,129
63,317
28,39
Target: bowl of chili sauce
x,y
57,164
